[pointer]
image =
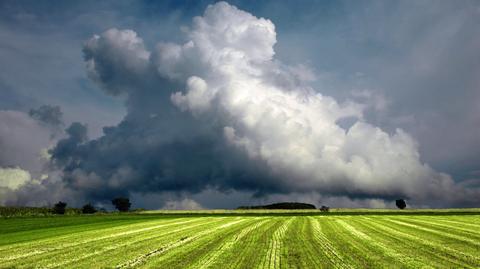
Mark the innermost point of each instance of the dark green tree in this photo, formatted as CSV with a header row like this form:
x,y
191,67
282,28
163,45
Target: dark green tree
x,y
59,208
88,209
122,204
401,203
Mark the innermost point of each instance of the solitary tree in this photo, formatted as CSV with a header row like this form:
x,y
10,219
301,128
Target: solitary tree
x,y
122,204
59,208
88,209
401,203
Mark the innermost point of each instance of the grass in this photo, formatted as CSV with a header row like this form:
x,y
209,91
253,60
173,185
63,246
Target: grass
x,y
343,238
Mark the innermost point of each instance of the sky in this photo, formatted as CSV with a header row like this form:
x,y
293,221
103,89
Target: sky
x,y
206,104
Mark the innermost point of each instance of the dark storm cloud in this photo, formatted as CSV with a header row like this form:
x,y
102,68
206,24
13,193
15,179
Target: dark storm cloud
x,y
49,115
131,158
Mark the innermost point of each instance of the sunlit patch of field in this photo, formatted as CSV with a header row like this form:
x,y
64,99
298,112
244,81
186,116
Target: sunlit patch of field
x,y
245,239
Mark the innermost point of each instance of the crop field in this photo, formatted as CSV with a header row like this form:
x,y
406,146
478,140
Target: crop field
x,y
258,240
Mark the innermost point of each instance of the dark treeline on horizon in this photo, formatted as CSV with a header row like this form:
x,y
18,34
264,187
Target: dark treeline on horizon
x,y
285,205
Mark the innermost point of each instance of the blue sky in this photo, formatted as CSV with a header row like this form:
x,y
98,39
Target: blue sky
x,y
414,65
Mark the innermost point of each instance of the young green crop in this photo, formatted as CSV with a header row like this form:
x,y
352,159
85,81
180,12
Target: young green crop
x,y
229,239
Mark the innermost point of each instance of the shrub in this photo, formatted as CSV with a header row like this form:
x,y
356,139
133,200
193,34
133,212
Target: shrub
x,y
122,204
324,208
59,208
88,209
401,203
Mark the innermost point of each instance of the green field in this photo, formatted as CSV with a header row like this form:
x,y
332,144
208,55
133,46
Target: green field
x,y
233,239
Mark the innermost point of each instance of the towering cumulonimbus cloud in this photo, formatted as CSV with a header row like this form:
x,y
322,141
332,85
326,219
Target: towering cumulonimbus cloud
x,y
220,112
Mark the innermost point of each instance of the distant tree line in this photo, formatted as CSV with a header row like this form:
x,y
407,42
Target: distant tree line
x,y
122,204
288,205
400,203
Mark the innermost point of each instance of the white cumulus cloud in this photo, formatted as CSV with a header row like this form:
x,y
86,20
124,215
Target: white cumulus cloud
x,y
226,76
294,129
